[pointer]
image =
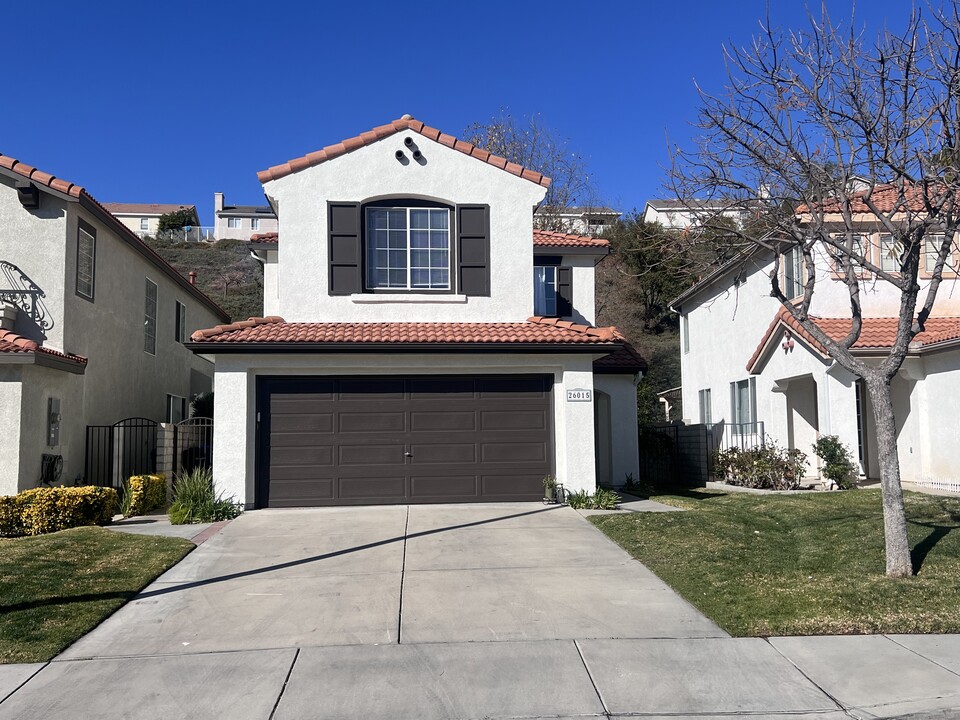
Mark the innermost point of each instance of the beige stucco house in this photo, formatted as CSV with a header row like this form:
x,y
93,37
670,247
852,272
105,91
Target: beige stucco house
x,y
144,218
92,326
421,342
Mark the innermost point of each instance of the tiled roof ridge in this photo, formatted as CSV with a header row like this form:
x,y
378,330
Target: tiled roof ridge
x,y
26,345
77,191
201,335
382,131
551,237
38,176
603,333
269,237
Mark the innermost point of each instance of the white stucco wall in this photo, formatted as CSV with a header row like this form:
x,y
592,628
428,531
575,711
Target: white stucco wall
x,y
624,450
245,231
11,390
372,172
235,385
584,288
271,284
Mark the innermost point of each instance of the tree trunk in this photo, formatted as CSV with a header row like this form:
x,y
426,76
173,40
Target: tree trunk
x,y
899,563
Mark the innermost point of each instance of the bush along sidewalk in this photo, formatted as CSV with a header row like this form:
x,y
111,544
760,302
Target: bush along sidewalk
x,y
602,500
196,501
47,510
838,465
143,493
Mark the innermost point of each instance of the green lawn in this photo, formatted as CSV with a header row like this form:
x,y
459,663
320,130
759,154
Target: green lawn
x,y
54,588
800,564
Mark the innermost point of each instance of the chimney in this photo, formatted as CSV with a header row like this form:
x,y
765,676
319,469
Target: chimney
x,y
8,316
193,278
217,202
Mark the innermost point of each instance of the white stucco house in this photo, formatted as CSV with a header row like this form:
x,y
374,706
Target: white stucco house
x,y
144,218
421,343
241,222
675,214
748,365
580,220
92,327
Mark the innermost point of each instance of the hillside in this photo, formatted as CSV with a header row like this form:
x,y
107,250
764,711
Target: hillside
x,y
225,271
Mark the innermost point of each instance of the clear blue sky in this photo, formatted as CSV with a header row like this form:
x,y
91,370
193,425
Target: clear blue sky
x,y
169,101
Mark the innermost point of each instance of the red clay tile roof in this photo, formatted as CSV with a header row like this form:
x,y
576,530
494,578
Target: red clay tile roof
x,y
875,334
378,133
626,358
10,342
536,330
886,198
546,238
271,238
77,191
145,208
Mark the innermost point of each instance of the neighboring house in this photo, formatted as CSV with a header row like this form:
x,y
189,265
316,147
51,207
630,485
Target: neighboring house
x,y
144,218
685,214
422,343
749,367
240,222
93,326
579,220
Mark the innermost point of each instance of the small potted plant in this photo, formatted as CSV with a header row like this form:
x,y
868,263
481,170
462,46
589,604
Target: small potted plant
x,y
549,488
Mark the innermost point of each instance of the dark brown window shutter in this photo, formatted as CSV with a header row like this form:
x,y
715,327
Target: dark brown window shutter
x,y
564,292
473,249
345,249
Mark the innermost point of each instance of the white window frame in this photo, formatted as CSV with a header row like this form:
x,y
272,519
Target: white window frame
x,y
85,287
793,259
888,263
409,287
686,333
150,317
180,322
858,247
181,405
737,410
931,251
234,223
706,407
548,282
254,223
144,223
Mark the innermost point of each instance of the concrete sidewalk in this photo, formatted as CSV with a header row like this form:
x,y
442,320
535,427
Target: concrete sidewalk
x,y
493,611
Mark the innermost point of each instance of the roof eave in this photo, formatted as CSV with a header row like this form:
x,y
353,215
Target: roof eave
x,y
224,347
43,359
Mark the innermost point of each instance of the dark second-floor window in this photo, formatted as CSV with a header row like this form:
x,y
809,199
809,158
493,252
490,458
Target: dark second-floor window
x,y
545,290
86,260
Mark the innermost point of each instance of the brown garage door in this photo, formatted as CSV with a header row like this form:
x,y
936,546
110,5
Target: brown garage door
x,y
360,441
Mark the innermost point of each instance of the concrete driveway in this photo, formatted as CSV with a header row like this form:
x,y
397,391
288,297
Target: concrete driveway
x,y
468,611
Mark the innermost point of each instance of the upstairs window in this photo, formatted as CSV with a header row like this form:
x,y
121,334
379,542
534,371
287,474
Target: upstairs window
x,y
233,223
150,318
545,291
255,223
180,323
858,249
793,272
144,223
86,260
408,248
890,251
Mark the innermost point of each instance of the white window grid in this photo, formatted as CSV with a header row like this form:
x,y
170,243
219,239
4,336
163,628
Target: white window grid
x,y
545,303
234,223
396,250
254,223
889,254
86,250
144,223
150,318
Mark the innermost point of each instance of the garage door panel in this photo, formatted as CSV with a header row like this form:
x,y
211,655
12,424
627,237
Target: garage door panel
x,y
396,440
513,486
372,487
443,421
513,452
371,455
446,453
301,456
443,487
372,421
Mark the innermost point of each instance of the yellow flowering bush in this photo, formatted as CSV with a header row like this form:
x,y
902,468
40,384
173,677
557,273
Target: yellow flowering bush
x,y
46,510
143,493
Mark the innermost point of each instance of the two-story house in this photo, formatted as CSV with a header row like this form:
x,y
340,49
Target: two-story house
x,y
587,220
748,366
240,222
92,327
144,218
422,343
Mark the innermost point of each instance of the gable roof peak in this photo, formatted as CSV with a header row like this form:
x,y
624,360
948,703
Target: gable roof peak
x,y
407,122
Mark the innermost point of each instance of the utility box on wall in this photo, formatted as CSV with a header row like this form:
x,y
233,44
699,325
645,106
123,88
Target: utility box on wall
x,y
53,422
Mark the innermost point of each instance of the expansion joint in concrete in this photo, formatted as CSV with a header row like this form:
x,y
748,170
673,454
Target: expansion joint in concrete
x,y
403,569
286,681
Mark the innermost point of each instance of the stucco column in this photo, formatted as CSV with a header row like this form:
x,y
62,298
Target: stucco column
x,y
10,419
837,406
232,453
576,462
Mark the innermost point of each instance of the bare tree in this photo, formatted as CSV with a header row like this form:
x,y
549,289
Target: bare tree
x,y
227,279
822,132
529,142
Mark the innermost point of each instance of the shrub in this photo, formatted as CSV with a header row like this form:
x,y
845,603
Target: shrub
x,y
838,464
46,510
603,500
195,501
143,493
769,467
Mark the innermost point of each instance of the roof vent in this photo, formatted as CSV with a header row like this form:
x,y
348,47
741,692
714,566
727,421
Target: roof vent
x,y
406,116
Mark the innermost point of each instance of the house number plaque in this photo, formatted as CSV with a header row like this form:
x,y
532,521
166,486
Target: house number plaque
x,y
579,395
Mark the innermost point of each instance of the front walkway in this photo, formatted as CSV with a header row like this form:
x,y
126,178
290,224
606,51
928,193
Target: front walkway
x,y
470,611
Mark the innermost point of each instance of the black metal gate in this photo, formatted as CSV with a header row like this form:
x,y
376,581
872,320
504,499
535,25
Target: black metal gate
x,y
192,445
115,452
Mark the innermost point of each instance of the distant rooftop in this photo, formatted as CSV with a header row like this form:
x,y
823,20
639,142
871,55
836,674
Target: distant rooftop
x,y
145,208
577,210
264,210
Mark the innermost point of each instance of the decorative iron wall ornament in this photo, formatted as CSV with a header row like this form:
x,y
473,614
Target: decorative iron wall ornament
x,y
19,290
